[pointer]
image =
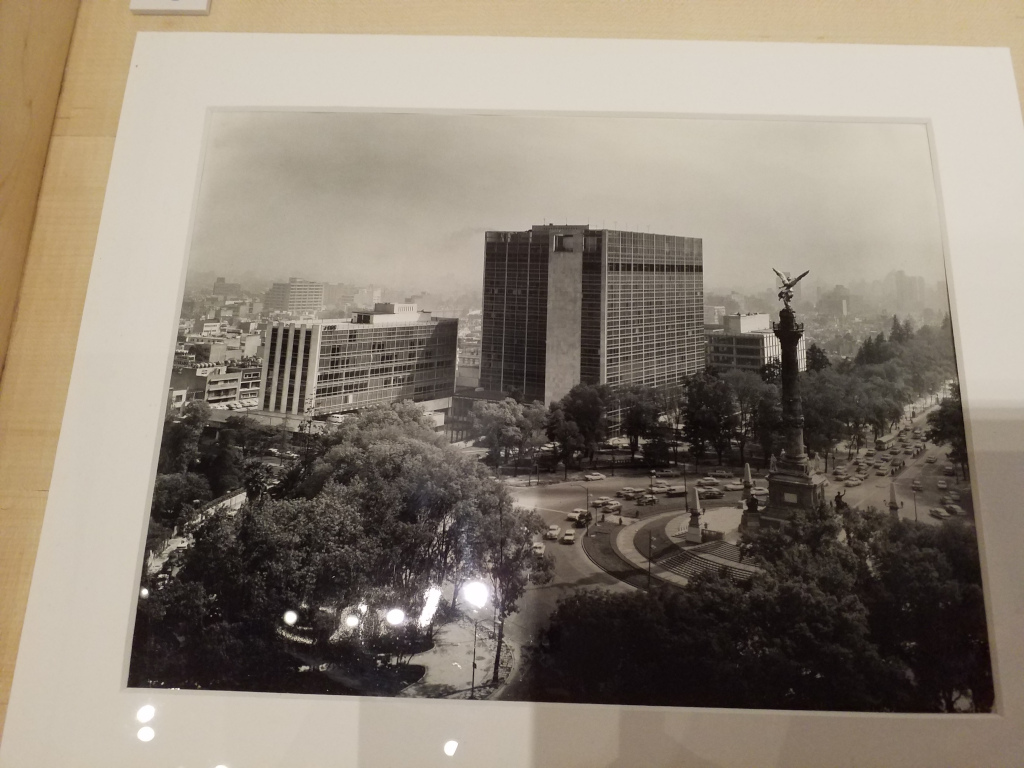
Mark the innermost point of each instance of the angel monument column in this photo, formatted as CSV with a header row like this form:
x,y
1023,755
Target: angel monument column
x,y
792,485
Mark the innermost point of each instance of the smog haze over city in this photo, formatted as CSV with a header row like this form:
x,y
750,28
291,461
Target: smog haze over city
x,y
403,200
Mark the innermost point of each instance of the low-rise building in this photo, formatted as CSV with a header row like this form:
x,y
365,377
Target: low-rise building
x,y
747,343
391,353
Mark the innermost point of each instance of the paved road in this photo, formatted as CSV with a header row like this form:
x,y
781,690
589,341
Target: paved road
x,y
875,490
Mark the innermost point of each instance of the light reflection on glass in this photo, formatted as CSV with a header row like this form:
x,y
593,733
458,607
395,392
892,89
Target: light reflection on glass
x,y
475,593
145,713
290,617
146,733
395,616
450,747
433,598
352,621
143,593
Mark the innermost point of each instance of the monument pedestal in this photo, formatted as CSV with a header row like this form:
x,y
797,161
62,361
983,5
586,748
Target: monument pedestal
x,y
693,535
789,491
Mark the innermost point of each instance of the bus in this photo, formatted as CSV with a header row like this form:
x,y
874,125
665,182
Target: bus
x,y
886,442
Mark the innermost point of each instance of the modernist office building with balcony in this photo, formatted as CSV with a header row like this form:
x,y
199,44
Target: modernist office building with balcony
x,y
391,353
564,305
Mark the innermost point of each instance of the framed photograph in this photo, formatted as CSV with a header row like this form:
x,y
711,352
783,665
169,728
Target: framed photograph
x,y
540,402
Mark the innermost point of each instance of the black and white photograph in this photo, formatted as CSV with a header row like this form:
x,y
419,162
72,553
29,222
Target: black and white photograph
x,y
572,408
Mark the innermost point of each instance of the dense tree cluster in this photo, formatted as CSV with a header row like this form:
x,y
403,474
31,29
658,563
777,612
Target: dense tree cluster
x,y
376,514
859,612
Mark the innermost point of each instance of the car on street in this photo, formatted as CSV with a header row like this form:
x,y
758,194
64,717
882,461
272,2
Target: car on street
x,y
612,506
676,490
733,486
931,459
553,532
758,491
853,482
869,452
948,470
627,493
668,473
710,482
882,471
600,501
941,485
593,476
711,493
576,514
568,537
917,485
538,549
954,495
955,509
721,473
908,451
646,499
940,514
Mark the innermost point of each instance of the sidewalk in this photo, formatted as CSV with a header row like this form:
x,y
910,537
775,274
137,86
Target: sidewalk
x,y
449,664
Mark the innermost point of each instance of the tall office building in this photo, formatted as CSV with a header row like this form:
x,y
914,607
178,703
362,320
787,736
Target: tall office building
x,y
391,353
568,304
300,297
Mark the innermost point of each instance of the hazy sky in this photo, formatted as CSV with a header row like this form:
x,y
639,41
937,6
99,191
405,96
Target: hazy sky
x,y
405,199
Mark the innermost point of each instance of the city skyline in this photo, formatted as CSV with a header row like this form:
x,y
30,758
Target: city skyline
x,y
405,199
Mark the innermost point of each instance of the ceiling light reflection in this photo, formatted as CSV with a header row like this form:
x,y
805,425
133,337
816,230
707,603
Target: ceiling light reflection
x,y
145,713
146,733
450,747
290,617
395,616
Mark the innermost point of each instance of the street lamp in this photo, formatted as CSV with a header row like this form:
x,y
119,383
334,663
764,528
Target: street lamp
x,y
475,593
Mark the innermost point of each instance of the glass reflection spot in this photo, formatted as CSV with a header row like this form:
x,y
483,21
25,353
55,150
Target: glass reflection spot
x,y
145,713
450,747
290,617
146,733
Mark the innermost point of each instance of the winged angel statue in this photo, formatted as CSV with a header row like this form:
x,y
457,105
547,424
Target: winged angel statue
x,y
786,294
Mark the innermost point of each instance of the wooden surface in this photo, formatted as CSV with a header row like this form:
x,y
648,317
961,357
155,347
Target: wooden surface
x,y
34,40
54,283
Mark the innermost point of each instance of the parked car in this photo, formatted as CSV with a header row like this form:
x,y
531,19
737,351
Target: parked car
x,y
711,493
941,514
948,470
646,499
941,485
553,532
853,482
627,492
955,509
576,514
954,495
733,486
668,473
593,476
721,473
869,452
882,471
538,549
917,485
758,491
612,506
931,459
709,482
676,490
569,537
